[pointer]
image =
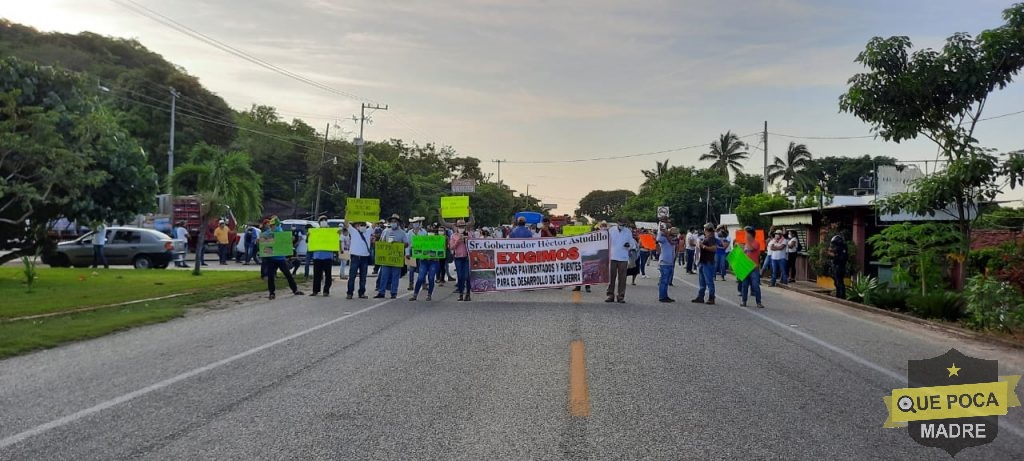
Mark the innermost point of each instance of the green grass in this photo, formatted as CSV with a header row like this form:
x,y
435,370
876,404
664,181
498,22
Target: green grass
x,y
21,336
58,290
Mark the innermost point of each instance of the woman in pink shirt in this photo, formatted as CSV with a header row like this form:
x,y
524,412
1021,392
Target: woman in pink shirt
x,y
457,245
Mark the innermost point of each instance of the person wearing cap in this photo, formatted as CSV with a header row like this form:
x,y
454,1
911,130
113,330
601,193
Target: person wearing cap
x,y
222,234
521,231
323,262
753,281
427,268
621,243
415,228
706,266
669,241
545,229
460,254
840,254
777,251
360,253
273,263
391,276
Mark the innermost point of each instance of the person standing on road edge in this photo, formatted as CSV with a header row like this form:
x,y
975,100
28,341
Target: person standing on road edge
x,y
460,253
721,264
647,245
777,249
390,276
792,247
181,234
222,235
706,266
521,231
668,241
840,256
274,263
692,239
427,269
99,243
415,228
323,262
622,242
359,255
753,281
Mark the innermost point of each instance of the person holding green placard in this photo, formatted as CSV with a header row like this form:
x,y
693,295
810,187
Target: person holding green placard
x,y
428,268
753,281
415,228
273,263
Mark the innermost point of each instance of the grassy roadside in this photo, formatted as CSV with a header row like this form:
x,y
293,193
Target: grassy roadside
x,y
22,336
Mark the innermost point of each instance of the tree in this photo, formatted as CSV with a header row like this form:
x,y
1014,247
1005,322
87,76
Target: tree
x,y
792,168
749,184
604,204
685,190
941,95
727,153
660,168
921,249
841,174
221,180
749,210
61,156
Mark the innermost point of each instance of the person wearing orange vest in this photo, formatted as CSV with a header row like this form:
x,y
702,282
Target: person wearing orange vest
x,y
647,245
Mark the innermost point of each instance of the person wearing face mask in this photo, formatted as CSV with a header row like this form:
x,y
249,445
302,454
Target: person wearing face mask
x,y
359,258
622,242
323,262
521,231
545,228
460,253
415,228
390,277
427,269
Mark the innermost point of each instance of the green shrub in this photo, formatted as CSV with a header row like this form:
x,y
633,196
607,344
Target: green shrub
x,y
993,304
889,298
946,305
861,287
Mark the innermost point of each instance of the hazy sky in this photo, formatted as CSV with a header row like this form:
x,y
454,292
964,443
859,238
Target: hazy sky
x,y
532,80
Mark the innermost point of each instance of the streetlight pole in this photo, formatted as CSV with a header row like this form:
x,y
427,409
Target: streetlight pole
x,y
360,142
320,172
170,149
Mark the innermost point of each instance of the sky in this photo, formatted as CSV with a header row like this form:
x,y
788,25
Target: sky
x,y
531,81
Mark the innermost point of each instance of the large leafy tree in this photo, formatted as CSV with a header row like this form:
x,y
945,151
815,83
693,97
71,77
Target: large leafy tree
x,y
686,191
728,154
837,175
749,184
604,204
660,168
62,156
792,169
749,210
941,95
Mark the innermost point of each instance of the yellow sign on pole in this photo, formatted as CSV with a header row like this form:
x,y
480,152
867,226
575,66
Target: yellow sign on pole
x,y
362,210
455,206
324,239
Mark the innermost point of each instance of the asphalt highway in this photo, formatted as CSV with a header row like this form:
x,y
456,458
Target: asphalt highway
x,y
528,375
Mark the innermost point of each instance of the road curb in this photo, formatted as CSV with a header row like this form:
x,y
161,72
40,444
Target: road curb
x,y
909,318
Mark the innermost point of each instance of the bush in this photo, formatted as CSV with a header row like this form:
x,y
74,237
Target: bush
x,y
861,288
889,298
993,304
946,305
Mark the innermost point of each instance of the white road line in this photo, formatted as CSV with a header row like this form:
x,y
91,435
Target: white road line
x,y
838,350
42,428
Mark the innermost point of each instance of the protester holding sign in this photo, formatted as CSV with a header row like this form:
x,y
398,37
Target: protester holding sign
x,y
752,282
622,243
668,241
706,266
426,250
359,252
276,260
457,246
415,229
324,244
390,273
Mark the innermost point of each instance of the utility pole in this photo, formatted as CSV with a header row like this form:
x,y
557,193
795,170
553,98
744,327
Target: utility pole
x,y
707,214
320,173
360,142
170,150
765,177
528,189
499,169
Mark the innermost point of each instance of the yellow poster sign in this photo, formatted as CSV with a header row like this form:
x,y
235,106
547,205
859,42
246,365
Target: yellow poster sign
x,y
390,254
455,207
325,239
362,210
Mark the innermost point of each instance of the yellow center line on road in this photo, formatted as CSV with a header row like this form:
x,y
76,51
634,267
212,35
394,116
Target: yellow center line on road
x,y
579,395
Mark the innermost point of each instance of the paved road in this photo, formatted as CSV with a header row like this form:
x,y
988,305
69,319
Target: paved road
x,y
325,378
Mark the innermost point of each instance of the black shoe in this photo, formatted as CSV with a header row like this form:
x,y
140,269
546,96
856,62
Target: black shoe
x,y
743,304
760,306
710,301
697,300
379,296
348,296
588,289
621,301
609,299
364,297
467,298
576,289
460,296
667,300
394,296
315,293
326,294
412,298
297,293
271,296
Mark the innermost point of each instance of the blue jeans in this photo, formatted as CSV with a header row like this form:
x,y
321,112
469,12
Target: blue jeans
x,y
689,259
99,257
707,280
358,267
644,256
779,271
751,283
721,265
427,273
389,278
462,274
667,271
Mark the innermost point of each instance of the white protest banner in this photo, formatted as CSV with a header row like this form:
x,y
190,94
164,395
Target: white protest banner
x,y
528,264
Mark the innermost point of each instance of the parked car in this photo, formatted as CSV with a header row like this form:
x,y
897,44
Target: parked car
x,y
335,223
293,224
142,248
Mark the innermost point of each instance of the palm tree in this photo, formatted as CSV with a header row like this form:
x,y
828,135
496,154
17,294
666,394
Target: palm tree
x,y
727,153
791,170
660,168
221,180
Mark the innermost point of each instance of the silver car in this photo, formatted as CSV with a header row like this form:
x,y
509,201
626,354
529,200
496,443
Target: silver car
x,y
142,248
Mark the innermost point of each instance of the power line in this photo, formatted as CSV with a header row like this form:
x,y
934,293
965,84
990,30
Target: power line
x,y
1001,116
820,137
616,157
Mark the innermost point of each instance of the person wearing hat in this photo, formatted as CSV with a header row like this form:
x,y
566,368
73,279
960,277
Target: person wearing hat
x,y
621,243
222,234
706,266
840,254
521,231
323,263
753,281
377,230
390,276
777,250
415,228
273,263
360,254
669,242
427,268
460,253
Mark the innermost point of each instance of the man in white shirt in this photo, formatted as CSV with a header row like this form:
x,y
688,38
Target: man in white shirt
x,y
777,250
99,241
621,242
792,246
181,234
359,255
692,241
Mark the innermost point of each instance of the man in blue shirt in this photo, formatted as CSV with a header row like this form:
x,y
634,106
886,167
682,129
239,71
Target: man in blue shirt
x,y
668,241
706,265
521,231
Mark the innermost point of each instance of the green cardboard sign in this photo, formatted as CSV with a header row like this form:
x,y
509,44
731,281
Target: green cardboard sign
x,y
390,254
362,210
455,206
428,246
741,265
325,239
276,244
570,231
